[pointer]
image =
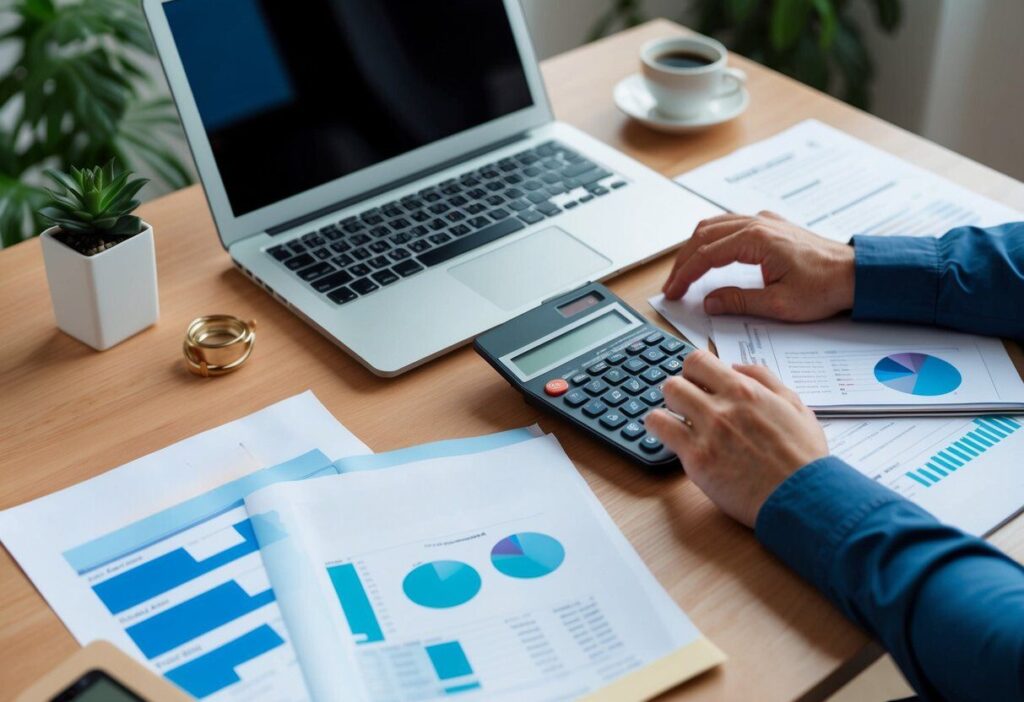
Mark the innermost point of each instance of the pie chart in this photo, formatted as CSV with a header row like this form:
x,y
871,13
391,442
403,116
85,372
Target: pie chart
x,y
917,374
527,555
441,584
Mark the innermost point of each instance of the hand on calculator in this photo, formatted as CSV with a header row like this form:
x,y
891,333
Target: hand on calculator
x,y
747,432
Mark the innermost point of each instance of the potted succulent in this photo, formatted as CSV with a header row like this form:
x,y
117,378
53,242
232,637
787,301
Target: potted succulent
x,y
100,260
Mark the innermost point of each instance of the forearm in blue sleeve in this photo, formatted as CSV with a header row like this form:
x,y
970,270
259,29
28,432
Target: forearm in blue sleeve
x,y
947,606
969,279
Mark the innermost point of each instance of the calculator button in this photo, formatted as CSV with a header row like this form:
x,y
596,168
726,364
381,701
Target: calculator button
x,y
596,387
598,368
635,348
653,375
612,420
653,338
633,386
579,379
653,356
615,397
672,366
616,358
615,376
634,408
575,398
634,365
632,431
672,345
556,387
650,444
653,397
594,408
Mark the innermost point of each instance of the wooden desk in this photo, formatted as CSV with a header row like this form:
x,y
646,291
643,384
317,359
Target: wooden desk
x,y
68,413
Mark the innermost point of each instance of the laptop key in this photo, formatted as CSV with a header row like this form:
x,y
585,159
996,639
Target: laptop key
x,y
379,246
407,268
341,295
279,252
330,282
419,246
592,176
315,271
500,213
549,208
341,247
361,253
342,260
538,197
322,253
440,238
300,261
360,239
359,270
530,216
364,286
385,277
399,254
378,262
460,230
578,168
471,241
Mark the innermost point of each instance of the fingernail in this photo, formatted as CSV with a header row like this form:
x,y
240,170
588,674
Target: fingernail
x,y
712,305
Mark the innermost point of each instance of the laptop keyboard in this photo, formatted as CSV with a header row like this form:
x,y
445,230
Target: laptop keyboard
x,y
378,247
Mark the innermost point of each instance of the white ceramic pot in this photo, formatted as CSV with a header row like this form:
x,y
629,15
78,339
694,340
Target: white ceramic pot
x,y
103,299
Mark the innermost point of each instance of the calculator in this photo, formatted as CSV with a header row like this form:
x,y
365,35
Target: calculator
x,y
593,359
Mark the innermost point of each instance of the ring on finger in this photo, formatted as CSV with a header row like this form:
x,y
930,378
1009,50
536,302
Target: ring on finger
x,y
681,418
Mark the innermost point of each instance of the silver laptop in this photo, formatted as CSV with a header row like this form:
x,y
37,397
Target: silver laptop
x,y
392,172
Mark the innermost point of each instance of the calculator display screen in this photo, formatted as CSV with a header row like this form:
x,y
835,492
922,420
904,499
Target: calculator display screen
x,y
571,343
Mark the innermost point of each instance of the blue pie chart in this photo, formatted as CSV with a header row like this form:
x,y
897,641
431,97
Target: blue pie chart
x,y
441,584
527,555
918,374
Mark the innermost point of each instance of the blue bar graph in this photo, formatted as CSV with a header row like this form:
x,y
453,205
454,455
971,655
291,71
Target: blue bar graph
x,y
195,617
188,514
449,660
168,571
456,689
215,670
986,432
355,603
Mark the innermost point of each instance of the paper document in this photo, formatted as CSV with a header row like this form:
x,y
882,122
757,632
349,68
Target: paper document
x,y
159,556
840,367
967,472
687,313
837,185
496,575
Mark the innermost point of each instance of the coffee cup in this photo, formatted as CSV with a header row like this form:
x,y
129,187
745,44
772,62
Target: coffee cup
x,y
684,74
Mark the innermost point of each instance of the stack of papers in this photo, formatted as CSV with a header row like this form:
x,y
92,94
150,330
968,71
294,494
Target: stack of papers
x,y
455,570
965,471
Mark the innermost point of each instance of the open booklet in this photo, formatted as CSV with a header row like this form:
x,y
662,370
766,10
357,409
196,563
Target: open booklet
x,y
494,574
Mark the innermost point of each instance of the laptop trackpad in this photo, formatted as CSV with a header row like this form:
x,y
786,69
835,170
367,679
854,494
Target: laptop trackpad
x,y
531,269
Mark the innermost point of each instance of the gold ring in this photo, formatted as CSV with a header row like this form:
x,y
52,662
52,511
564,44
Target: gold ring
x,y
217,344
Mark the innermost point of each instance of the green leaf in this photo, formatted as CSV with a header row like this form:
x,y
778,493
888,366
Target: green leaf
x,y
789,17
828,21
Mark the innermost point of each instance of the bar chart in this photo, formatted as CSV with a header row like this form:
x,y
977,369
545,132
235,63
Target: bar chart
x,y
355,603
985,433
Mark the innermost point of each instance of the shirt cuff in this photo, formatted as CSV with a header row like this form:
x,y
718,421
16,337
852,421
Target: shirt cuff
x,y
896,278
807,518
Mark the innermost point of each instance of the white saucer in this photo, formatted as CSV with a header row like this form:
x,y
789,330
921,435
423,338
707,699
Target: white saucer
x,y
632,97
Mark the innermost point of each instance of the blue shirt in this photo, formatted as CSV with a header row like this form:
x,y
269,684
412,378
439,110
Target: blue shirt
x,y
947,606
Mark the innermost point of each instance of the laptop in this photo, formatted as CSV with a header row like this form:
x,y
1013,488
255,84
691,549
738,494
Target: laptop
x,y
392,172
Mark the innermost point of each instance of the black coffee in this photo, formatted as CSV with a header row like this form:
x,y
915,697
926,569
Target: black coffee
x,y
683,59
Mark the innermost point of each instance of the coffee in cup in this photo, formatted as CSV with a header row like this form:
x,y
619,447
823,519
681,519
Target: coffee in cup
x,y
683,74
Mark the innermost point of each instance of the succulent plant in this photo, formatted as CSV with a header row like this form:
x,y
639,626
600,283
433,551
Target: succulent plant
x,y
93,206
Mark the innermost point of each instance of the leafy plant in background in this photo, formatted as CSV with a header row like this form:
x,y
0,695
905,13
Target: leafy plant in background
x,y
77,94
815,41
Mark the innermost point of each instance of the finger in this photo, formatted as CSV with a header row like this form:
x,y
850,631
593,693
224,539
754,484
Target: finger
x,y
704,369
684,398
768,214
771,381
670,431
707,231
744,246
761,302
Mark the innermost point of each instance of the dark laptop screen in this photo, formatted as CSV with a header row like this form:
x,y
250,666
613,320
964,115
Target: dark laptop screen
x,y
295,94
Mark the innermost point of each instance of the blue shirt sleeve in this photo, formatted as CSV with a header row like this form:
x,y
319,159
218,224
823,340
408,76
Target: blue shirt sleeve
x,y
947,606
970,279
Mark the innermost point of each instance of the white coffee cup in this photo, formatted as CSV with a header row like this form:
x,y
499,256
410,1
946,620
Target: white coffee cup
x,y
682,91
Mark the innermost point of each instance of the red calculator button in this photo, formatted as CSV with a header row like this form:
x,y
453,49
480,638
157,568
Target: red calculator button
x,y
556,387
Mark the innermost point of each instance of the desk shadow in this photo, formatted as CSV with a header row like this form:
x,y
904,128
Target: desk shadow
x,y
787,602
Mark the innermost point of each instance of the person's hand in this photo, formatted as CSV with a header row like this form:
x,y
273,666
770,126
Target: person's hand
x,y
806,277
749,432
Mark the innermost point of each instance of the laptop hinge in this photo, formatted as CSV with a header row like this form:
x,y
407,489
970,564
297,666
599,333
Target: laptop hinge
x,y
299,221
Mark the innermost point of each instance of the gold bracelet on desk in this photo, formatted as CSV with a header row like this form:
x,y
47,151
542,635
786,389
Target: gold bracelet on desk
x,y
217,344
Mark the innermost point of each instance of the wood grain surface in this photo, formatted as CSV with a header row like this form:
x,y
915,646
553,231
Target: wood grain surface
x,y
68,413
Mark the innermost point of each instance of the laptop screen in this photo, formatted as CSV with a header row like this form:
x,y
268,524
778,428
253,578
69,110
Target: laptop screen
x,y
295,94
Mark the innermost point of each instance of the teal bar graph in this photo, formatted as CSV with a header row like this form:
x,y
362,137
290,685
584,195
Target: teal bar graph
x,y
985,433
355,603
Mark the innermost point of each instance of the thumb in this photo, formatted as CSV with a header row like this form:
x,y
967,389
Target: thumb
x,y
757,301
